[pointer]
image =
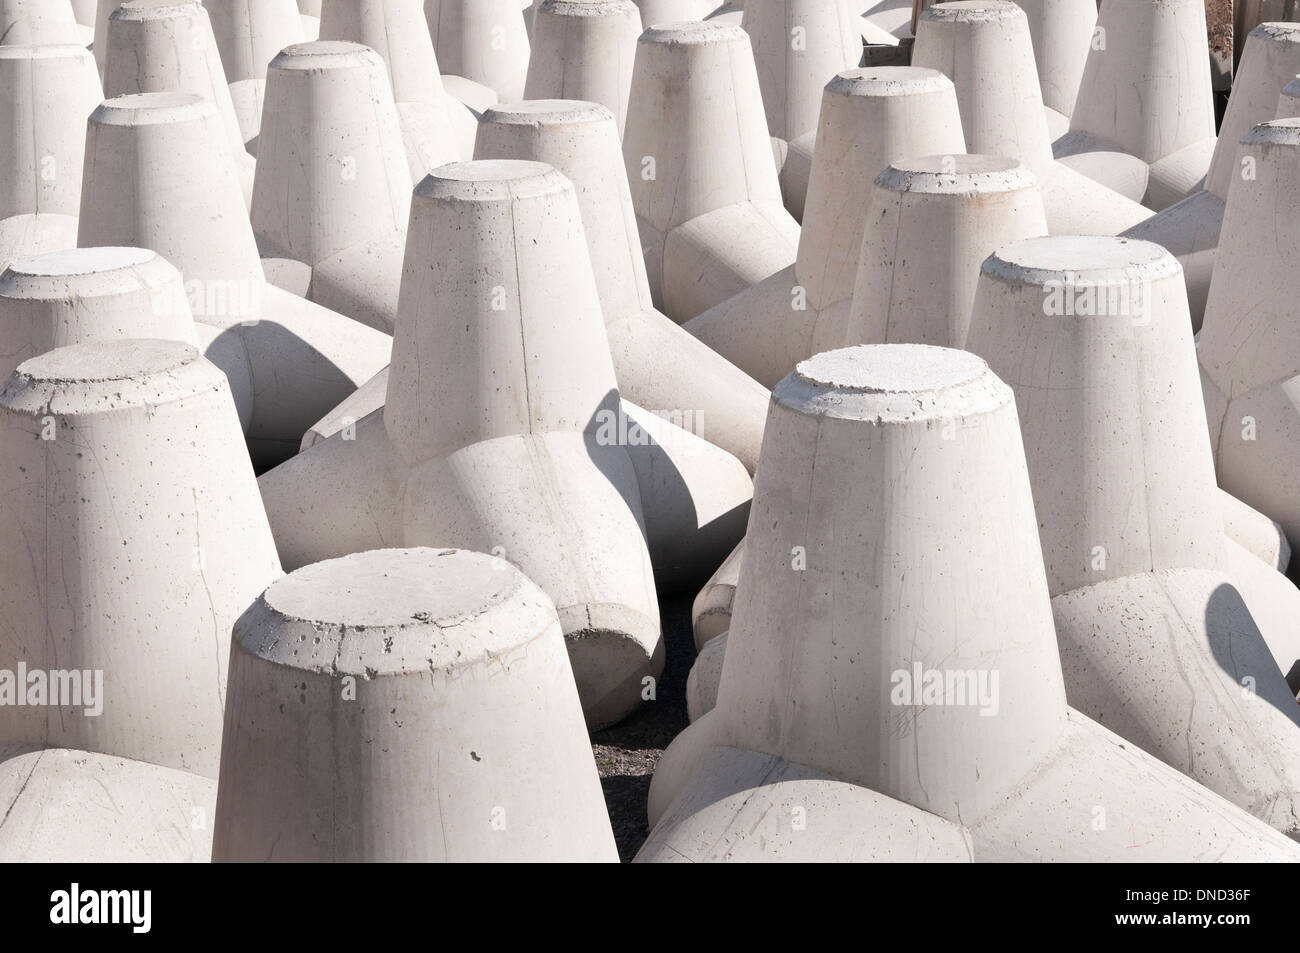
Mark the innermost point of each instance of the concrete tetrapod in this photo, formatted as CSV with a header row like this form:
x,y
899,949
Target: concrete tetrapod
x,y
658,365
437,126
931,223
48,93
1093,337
155,165
799,46
456,693
483,40
1190,229
699,161
157,46
1146,94
1250,366
584,50
124,471
89,294
507,332
249,35
1288,102
78,807
1062,32
865,649
333,192
985,48
38,23
869,118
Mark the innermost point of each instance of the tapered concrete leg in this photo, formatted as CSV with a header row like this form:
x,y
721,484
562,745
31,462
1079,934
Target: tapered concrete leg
x,y
142,437
711,611
658,365
706,673
1078,327
869,117
250,33
38,23
1254,532
156,47
435,127
584,50
1102,161
77,807
48,93
944,751
333,191
436,654
699,161
931,224
1063,32
1274,604
482,40
659,12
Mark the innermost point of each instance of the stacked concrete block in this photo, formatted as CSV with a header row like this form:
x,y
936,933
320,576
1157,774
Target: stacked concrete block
x,y
155,46
985,48
438,121
48,93
157,164
249,35
699,160
484,41
584,50
865,651
508,332
869,118
333,190
1093,337
445,673
1190,229
799,46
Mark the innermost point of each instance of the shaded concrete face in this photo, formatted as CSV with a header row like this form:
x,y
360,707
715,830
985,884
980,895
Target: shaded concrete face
x,y
482,40
1063,33
452,666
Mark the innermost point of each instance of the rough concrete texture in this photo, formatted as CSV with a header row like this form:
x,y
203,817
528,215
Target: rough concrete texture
x,y
1063,33
1191,228
483,40
699,161
78,807
156,46
38,23
799,46
584,50
1133,541
869,118
250,33
139,441
915,416
48,91
533,465
454,674
985,48
1146,92
438,122
157,163
333,191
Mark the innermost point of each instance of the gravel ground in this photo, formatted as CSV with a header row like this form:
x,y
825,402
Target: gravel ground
x,y
627,753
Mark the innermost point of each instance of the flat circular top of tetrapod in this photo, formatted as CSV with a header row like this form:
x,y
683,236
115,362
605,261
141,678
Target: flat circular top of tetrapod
x,y
148,109
889,383
590,8
956,174
326,54
109,375
1280,30
548,112
1279,132
1081,259
85,273
889,81
693,33
392,611
153,9
487,180
81,261
972,11
47,51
